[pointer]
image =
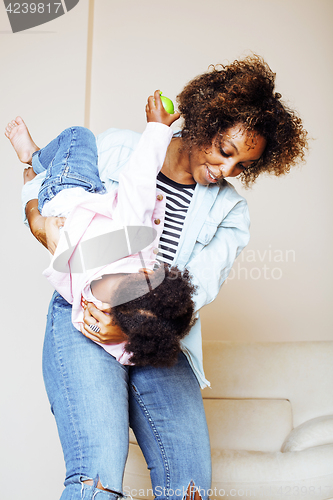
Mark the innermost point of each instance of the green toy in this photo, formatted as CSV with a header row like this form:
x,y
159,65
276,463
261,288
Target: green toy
x,y
167,104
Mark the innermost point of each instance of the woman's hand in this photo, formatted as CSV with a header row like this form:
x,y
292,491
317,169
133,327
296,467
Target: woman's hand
x,y
52,234
44,229
109,332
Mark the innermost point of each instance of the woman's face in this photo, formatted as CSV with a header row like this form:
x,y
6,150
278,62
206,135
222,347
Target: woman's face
x,y
229,155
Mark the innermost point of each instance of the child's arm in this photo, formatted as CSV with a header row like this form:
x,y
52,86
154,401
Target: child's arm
x,y
137,183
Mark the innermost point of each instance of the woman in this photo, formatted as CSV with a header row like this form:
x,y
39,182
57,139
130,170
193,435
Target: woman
x,y
234,125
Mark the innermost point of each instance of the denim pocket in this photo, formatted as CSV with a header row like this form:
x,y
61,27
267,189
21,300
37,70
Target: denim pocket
x,y
75,179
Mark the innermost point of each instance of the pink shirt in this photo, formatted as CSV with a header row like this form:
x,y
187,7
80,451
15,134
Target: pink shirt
x,y
136,202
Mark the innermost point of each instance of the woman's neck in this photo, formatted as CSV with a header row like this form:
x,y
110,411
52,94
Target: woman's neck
x,y
176,165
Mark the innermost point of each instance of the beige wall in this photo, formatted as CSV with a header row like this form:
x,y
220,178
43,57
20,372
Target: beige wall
x,y
43,74
138,47
280,288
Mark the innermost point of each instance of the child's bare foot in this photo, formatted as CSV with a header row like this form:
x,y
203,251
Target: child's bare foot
x,y
18,134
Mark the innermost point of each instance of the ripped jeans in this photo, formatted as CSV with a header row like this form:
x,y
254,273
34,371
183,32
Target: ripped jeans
x,y
94,400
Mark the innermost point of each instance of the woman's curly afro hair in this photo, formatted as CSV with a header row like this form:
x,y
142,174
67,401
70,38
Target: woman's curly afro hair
x,y
242,93
155,322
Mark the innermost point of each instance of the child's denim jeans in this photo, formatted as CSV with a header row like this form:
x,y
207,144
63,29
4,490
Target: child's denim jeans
x,y
70,161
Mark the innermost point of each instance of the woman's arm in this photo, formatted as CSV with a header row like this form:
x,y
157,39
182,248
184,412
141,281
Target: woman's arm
x,y
44,229
36,221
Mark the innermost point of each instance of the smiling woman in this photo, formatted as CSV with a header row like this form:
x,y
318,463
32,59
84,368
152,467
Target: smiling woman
x,y
230,154
242,94
234,124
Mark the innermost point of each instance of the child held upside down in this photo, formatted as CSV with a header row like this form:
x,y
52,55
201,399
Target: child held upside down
x,y
153,307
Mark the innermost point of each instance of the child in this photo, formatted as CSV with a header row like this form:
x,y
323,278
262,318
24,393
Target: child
x,y
108,237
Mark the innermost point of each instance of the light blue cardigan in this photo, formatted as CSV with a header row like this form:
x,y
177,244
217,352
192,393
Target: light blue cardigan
x,y
215,231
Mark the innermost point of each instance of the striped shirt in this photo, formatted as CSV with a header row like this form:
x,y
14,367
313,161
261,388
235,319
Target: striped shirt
x,y
178,199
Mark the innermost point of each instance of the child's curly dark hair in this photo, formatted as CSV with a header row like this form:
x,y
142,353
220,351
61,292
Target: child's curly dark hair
x,y
242,93
155,322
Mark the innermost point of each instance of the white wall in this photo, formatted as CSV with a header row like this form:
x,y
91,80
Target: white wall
x,y
138,47
43,79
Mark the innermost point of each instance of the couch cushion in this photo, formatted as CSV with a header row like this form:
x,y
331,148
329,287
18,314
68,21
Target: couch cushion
x,y
314,432
301,372
304,474
248,424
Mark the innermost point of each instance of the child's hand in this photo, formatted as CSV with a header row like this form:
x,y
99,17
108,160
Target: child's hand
x,y
156,113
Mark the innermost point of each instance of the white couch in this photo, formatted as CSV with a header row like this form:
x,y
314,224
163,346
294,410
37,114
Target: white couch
x,y
270,418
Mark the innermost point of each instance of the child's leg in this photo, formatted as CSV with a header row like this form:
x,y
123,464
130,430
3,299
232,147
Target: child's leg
x,y
70,160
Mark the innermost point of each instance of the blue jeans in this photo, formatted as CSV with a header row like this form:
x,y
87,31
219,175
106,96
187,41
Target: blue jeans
x,y
94,400
70,161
